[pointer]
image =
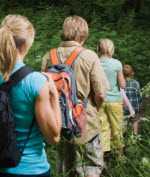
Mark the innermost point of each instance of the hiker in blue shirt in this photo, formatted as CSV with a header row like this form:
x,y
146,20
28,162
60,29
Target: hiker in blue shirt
x,y
111,114
33,97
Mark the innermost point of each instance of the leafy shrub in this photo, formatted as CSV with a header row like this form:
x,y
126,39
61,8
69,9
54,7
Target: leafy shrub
x,y
131,38
146,90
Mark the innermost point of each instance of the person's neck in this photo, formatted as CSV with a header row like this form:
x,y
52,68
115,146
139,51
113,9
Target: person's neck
x,y
105,56
20,57
129,77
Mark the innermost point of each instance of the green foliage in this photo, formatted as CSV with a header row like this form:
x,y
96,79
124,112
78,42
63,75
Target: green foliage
x,y
130,33
146,90
131,48
135,162
48,24
106,19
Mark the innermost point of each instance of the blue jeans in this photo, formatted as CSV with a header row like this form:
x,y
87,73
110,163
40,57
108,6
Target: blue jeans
x,y
47,174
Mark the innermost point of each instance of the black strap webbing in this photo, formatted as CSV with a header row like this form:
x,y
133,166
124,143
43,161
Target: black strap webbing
x,y
13,80
16,77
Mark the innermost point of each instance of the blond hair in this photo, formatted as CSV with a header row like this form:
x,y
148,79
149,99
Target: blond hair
x,y
16,35
75,28
105,47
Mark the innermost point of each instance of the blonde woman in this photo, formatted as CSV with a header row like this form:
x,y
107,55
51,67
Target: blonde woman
x,y
111,113
32,97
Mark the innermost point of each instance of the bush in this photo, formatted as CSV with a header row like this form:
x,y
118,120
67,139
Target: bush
x,y
131,41
146,90
131,38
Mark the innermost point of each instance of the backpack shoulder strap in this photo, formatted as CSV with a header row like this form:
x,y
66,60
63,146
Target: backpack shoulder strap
x,y
54,57
74,55
16,77
20,74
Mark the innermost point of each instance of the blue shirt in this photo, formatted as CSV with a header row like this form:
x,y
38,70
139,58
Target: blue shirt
x,y
1,80
22,98
112,67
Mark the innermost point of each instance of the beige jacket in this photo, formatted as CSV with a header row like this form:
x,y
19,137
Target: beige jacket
x,y
91,81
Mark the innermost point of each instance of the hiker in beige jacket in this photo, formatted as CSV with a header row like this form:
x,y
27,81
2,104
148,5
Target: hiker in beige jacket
x,y
91,84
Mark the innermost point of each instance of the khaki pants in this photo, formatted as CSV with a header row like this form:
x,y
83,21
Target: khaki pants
x,y
80,160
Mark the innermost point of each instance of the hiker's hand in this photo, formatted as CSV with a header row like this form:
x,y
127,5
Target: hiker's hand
x,y
132,114
99,100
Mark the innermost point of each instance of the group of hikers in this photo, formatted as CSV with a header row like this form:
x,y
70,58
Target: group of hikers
x,y
110,90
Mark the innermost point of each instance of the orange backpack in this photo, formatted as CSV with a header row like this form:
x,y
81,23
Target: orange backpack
x,y
73,111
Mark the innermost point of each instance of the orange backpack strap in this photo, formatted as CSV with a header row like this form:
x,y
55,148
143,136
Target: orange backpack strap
x,y
53,57
73,56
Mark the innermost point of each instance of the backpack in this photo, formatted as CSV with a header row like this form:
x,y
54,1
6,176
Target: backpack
x,y
10,154
72,111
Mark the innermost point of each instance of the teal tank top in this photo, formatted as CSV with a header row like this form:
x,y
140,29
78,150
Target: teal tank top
x,y
22,97
112,67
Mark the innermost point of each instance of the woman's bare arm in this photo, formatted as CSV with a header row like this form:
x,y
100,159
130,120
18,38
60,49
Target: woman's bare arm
x,y
121,80
48,112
